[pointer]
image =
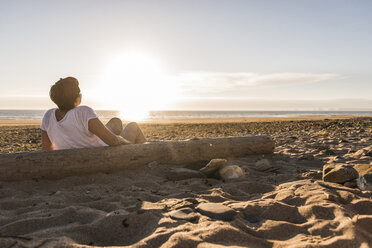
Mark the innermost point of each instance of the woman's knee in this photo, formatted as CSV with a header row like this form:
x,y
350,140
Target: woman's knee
x,y
115,125
131,128
132,125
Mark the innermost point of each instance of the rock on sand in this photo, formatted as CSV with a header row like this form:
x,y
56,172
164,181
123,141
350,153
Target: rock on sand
x,y
216,211
263,165
187,214
231,172
365,182
213,166
339,173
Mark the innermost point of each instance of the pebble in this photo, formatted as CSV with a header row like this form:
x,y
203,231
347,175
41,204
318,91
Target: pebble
x,y
213,166
339,173
153,164
216,211
187,214
231,172
263,165
135,188
365,182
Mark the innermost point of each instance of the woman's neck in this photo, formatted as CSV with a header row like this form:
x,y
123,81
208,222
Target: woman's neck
x,y
60,114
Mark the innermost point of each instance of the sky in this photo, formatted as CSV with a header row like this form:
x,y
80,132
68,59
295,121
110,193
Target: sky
x,y
190,55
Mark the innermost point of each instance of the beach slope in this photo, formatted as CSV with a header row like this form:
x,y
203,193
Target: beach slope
x,y
285,204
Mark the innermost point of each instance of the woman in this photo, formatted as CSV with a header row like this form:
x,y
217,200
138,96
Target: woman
x,y
73,126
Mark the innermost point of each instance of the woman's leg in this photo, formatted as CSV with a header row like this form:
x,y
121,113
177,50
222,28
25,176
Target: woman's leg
x,y
115,125
133,133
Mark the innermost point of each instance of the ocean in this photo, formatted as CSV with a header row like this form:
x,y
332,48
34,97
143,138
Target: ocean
x,y
178,114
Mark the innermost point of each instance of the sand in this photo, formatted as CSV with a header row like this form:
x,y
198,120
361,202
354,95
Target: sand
x,y
286,206
197,120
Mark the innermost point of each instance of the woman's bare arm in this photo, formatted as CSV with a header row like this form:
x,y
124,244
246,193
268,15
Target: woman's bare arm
x,y
45,141
96,126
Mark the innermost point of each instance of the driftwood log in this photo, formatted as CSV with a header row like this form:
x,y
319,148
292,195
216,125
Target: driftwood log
x,y
74,162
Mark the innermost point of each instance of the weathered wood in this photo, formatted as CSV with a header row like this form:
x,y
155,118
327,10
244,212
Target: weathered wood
x,y
63,163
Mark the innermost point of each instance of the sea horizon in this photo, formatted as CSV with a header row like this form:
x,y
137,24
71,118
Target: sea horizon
x,y
28,114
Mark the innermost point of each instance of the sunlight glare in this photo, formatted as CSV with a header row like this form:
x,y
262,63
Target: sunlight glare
x,y
135,83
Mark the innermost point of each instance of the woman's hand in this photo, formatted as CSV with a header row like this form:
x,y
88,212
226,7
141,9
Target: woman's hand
x,y
45,141
123,141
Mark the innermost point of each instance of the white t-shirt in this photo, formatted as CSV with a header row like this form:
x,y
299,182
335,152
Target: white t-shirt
x,y
72,131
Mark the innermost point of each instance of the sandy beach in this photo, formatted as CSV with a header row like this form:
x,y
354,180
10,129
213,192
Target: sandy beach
x,y
285,204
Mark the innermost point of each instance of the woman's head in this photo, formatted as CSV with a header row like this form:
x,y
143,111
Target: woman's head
x,y
66,93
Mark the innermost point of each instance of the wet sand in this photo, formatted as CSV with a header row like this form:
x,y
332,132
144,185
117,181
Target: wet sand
x,y
288,205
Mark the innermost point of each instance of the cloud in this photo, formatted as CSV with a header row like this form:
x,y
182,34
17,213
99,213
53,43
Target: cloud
x,y
216,82
243,104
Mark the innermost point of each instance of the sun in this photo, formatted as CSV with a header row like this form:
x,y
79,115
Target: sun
x,y
135,83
